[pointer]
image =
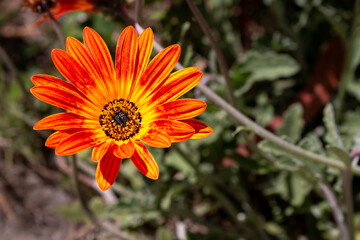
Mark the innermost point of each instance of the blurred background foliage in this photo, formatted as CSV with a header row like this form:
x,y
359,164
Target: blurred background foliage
x,y
286,59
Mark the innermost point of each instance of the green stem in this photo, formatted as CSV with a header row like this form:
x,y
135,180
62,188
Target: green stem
x,y
56,26
278,10
76,183
220,57
348,198
138,5
348,71
104,225
336,210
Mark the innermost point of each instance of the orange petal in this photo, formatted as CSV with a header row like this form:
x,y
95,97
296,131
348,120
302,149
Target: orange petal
x,y
66,99
125,150
76,74
179,109
146,41
107,170
157,138
144,161
100,150
126,51
79,141
54,139
63,121
79,52
176,85
51,81
177,130
101,55
201,129
158,69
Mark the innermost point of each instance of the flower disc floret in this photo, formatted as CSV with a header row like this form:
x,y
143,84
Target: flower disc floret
x,y
120,119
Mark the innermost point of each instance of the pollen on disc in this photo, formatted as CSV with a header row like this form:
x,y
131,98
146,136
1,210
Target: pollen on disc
x,y
120,119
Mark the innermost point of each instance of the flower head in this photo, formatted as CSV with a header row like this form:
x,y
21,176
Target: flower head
x,y
117,109
59,7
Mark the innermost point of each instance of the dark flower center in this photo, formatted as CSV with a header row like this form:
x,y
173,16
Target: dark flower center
x,y
120,119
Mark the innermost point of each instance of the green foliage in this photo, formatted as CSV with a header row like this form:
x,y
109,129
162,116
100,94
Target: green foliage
x,y
332,136
272,66
292,126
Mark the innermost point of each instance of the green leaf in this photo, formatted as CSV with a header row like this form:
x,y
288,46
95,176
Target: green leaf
x,y
288,161
175,160
274,229
284,159
265,66
292,123
163,234
332,136
334,18
340,153
166,201
311,142
354,88
72,212
292,188
264,111
240,129
355,60
350,128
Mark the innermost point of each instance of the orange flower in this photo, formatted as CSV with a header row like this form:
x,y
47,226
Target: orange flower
x,y
118,109
59,7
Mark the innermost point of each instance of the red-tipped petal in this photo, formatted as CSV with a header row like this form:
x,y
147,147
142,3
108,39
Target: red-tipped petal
x,y
201,129
144,161
125,150
157,138
72,70
79,141
107,170
126,51
51,81
101,55
177,130
80,53
100,150
179,109
66,99
146,41
54,139
176,85
63,121
158,69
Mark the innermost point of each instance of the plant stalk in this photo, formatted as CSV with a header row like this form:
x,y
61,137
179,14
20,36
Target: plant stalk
x,y
348,71
220,57
104,225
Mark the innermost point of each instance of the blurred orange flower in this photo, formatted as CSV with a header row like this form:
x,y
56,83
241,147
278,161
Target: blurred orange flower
x,y
59,7
118,109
